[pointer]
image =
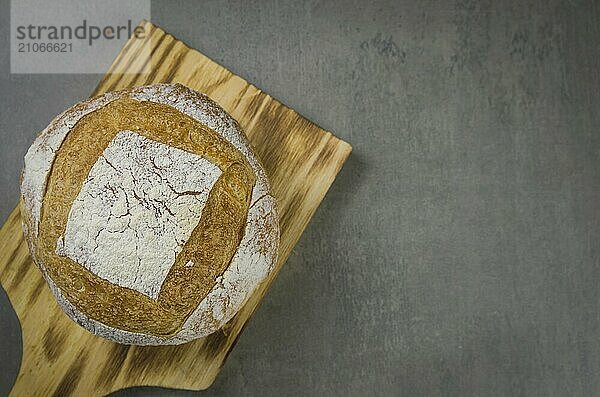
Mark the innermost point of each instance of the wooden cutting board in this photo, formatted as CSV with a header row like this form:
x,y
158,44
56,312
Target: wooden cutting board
x,y
301,159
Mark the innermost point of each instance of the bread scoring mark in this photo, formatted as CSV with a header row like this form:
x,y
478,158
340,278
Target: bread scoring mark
x,y
94,296
211,248
40,158
207,112
137,208
254,259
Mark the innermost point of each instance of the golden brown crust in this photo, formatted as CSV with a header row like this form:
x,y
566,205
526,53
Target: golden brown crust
x,y
211,245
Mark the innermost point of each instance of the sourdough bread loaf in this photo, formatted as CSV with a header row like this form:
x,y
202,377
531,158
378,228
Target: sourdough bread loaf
x,y
148,214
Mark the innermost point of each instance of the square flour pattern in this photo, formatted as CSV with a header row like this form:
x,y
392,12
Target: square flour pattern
x,y
136,209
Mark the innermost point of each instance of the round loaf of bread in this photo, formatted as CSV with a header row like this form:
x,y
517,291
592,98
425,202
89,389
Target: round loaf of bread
x,y
148,214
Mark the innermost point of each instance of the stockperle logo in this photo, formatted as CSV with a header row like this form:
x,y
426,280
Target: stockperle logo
x,y
75,36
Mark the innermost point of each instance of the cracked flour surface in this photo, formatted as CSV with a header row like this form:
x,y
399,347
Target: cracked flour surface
x,y
137,207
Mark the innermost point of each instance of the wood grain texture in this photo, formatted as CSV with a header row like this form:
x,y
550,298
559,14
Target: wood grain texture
x,y
301,159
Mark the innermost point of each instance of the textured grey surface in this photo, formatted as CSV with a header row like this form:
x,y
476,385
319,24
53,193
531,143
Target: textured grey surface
x,y
458,253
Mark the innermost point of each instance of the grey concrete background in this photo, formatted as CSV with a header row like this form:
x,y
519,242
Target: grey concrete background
x,y
458,252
